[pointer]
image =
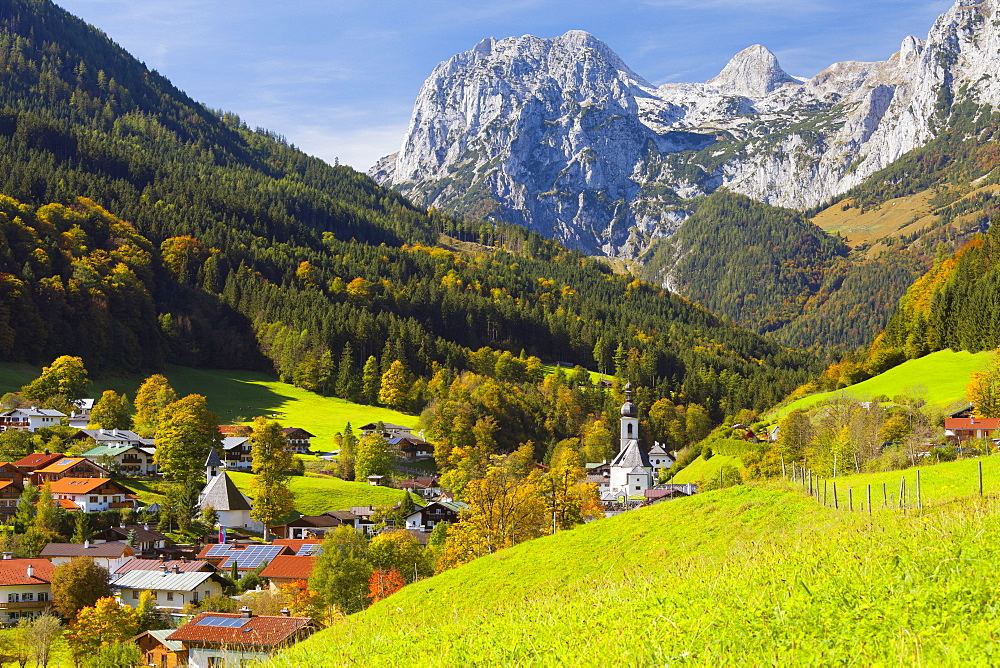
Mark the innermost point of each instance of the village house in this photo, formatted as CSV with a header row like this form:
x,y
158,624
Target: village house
x,y
171,589
129,460
426,487
411,448
424,519
385,429
297,439
91,495
36,460
147,541
69,467
217,639
660,459
962,429
25,588
313,526
246,557
158,651
30,419
287,569
108,555
182,565
237,453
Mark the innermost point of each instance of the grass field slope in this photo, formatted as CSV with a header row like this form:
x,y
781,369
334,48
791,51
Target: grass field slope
x,y
939,378
315,495
750,575
242,395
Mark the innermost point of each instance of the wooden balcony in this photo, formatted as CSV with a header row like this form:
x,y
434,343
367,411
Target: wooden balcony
x,y
24,605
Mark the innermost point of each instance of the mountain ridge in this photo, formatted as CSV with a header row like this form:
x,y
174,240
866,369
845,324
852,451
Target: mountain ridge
x,y
753,129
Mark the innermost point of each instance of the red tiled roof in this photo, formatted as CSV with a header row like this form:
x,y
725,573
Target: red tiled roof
x,y
37,460
15,571
66,504
972,423
289,567
264,631
156,564
83,485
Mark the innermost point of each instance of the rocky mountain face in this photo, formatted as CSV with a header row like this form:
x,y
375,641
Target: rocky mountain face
x,y
561,136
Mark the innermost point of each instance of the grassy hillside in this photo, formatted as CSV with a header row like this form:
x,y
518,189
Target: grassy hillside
x,y
701,469
244,394
317,495
938,483
755,575
940,378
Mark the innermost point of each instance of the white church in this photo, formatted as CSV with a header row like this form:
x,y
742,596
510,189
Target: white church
x,y
632,471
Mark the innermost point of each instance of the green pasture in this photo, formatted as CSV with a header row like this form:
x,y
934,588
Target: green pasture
x,y
239,396
939,483
315,495
595,377
939,378
701,469
750,575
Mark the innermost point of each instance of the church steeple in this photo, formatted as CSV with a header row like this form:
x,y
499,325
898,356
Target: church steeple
x,y
630,418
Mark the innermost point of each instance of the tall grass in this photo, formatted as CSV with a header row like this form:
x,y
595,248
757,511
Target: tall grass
x,y
750,575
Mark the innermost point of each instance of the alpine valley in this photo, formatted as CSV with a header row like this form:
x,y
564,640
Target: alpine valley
x,y
561,136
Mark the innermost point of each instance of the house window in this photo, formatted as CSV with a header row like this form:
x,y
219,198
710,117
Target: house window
x,y
170,595
154,594
135,594
43,596
637,488
13,598
104,499
630,430
28,596
215,662
93,499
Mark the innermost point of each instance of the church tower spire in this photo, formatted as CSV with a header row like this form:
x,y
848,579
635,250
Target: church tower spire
x,y
630,418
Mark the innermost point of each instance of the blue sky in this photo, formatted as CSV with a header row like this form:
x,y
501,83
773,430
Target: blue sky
x,y
338,79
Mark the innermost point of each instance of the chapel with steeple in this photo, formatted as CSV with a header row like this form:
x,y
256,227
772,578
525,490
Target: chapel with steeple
x,y
631,472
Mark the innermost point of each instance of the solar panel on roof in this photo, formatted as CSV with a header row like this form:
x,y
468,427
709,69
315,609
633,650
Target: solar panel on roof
x,y
308,550
219,550
222,622
252,556
63,462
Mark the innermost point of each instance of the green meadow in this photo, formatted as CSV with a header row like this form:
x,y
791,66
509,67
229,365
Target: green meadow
x,y
315,495
750,575
240,396
939,378
701,469
939,483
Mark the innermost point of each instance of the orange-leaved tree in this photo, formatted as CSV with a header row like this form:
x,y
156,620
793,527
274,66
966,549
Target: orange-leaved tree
x,y
383,583
104,623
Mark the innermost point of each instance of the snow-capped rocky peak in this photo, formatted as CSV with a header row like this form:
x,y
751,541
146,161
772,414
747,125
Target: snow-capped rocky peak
x,y
753,72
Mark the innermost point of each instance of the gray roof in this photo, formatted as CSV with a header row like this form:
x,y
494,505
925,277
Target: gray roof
x,y
230,442
172,645
659,451
631,456
37,412
169,581
112,435
109,549
222,494
213,459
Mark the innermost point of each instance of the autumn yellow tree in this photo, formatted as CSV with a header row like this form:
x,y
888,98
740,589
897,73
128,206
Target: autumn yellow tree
x,y
395,386
570,499
154,395
104,623
504,509
186,433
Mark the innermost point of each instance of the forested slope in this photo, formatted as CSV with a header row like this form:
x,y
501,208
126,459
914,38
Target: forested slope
x,y
261,256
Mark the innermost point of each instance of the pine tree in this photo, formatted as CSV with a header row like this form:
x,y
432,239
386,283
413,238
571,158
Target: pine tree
x,y
370,381
348,453
347,380
81,528
47,513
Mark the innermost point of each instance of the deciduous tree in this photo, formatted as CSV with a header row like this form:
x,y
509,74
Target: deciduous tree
x,y
374,457
154,395
383,583
186,433
342,570
394,387
103,623
112,411
78,584
271,460
66,376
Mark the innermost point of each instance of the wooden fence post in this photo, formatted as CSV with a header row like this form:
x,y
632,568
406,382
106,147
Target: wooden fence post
x,y
920,503
980,462
824,493
869,499
850,499
885,497
902,490
836,503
